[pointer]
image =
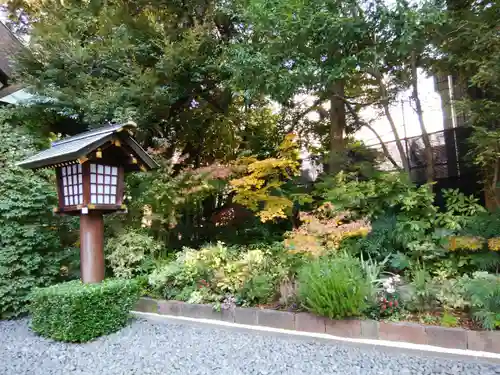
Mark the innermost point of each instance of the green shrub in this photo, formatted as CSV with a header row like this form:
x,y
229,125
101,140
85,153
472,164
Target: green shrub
x,y
31,251
484,293
258,289
335,288
77,312
483,224
423,291
452,293
130,253
215,272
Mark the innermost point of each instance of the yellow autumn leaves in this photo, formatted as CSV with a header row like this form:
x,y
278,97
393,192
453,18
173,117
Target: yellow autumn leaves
x,y
470,243
260,189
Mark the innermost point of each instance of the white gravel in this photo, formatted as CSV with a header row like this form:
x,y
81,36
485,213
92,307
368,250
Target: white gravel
x,y
147,347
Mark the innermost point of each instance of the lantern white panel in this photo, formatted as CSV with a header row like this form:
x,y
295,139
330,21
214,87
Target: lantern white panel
x,y
100,169
112,199
93,198
93,168
99,199
114,171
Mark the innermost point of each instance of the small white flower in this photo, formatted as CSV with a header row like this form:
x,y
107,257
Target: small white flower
x,y
391,290
397,278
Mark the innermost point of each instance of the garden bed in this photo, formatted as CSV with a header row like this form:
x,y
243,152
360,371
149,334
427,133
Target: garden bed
x,y
455,338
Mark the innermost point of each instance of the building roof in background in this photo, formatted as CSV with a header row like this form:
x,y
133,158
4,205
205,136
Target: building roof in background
x,y
8,94
9,46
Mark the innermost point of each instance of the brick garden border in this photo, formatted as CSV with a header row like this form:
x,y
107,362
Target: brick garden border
x,y
454,338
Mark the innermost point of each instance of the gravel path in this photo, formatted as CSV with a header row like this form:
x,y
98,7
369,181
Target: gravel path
x,y
171,348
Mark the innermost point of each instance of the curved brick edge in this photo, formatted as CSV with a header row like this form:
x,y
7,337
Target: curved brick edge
x,y
454,338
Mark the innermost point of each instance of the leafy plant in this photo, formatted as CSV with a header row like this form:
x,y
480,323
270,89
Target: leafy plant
x,y
428,319
31,251
483,224
130,252
257,290
452,293
261,189
77,312
382,194
449,320
484,293
335,288
319,234
459,208
216,271
423,291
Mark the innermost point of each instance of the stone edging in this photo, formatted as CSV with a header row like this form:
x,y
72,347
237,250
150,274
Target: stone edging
x,y
454,338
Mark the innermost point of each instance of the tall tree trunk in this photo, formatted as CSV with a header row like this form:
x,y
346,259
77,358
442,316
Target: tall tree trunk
x,y
384,99
337,126
429,169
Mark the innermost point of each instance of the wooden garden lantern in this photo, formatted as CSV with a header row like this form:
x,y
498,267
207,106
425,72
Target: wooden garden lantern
x,y
90,169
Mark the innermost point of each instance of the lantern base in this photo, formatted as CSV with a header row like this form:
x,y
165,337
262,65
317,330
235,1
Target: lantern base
x,y
92,247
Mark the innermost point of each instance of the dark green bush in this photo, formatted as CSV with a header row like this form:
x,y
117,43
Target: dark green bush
x,y
484,294
335,288
258,289
77,312
32,253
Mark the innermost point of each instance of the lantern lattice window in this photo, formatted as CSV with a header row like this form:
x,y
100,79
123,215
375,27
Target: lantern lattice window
x,y
103,184
72,184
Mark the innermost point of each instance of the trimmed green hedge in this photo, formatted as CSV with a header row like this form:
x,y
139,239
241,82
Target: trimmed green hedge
x,y
78,312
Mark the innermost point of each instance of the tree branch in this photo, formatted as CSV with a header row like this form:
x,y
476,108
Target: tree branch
x,y
311,108
425,136
361,123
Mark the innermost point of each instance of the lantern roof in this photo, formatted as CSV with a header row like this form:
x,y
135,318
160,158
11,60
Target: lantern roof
x,y
76,148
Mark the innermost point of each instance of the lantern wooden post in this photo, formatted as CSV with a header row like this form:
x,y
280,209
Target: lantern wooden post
x,y
90,170
92,247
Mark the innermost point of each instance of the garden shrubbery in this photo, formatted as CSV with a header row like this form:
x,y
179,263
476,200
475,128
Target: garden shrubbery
x,y
334,287
218,273
378,247
33,252
130,253
77,312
